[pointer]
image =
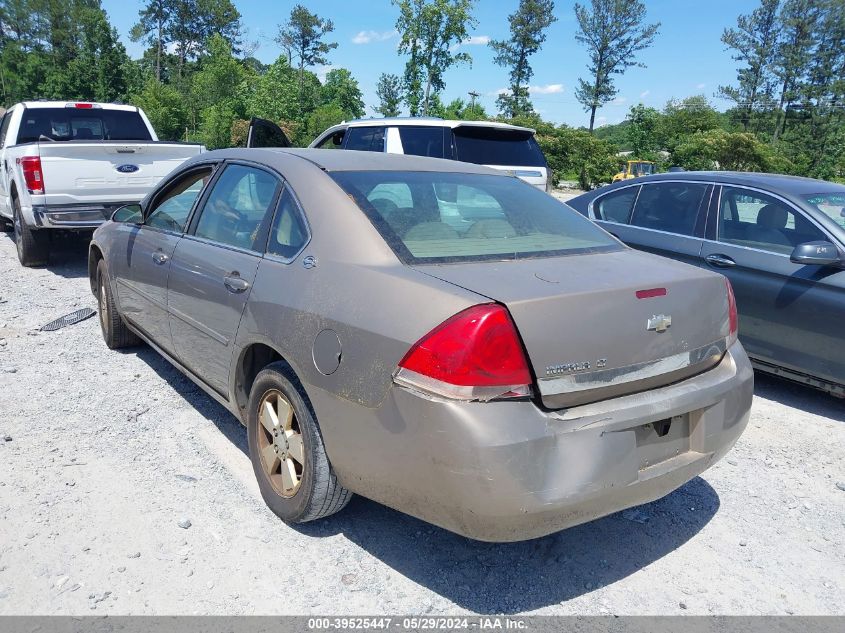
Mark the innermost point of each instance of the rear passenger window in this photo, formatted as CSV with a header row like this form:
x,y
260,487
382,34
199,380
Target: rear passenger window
x,y
616,206
288,234
365,139
237,211
422,141
669,206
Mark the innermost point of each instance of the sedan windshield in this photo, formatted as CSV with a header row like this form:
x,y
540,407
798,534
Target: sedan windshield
x,y
831,204
433,217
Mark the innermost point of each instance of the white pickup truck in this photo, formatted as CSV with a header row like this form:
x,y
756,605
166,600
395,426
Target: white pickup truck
x,y
70,165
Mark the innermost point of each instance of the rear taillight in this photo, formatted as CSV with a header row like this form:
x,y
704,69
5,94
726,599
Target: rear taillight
x,y
474,355
32,175
733,318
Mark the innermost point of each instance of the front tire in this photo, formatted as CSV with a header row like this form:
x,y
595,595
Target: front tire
x,y
32,246
294,475
116,333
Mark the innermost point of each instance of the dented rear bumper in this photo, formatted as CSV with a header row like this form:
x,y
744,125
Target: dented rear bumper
x,y
508,471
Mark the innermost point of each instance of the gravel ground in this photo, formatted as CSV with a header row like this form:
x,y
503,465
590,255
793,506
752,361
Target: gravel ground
x,y
108,456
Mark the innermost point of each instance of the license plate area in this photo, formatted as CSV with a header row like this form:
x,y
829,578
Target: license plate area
x,y
662,439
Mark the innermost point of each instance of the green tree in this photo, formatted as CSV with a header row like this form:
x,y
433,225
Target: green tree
x,y
389,93
341,89
685,117
799,32
613,32
527,25
216,92
733,151
643,130
754,44
320,119
151,28
165,107
275,94
430,31
302,38
192,23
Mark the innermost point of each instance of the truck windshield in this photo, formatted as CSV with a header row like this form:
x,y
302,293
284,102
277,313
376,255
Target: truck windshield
x,y
72,124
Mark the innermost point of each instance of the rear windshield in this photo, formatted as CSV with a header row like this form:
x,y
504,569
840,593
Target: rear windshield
x,y
831,204
73,124
490,146
433,217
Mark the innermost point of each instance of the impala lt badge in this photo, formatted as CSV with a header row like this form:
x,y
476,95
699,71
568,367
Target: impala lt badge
x,y
659,323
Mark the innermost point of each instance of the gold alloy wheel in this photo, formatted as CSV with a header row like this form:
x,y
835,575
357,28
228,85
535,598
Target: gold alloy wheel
x,y
104,306
280,443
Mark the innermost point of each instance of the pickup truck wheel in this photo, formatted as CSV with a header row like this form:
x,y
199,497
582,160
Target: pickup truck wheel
x,y
287,452
32,245
116,334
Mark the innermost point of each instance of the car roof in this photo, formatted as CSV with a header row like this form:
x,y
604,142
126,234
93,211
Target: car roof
x,y
352,160
777,183
430,122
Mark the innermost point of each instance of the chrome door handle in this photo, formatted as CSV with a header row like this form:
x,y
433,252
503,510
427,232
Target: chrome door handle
x,y
160,258
721,261
235,283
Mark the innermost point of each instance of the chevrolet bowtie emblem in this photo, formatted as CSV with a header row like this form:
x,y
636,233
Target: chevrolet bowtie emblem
x,y
659,323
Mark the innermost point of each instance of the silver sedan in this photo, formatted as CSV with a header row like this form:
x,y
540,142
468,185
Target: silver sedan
x,y
437,336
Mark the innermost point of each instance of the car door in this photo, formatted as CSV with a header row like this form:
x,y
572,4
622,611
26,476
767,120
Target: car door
x,y
264,133
214,268
666,218
787,311
142,253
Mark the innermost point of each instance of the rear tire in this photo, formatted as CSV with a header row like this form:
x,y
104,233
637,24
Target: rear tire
x,y
32,246
116,333
282,433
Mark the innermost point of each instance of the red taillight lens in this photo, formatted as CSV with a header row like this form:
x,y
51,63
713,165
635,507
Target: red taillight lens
x,y
31,168
733,317
477,351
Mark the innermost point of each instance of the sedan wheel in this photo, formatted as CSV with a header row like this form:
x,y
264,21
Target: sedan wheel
x,y
280,444
294,474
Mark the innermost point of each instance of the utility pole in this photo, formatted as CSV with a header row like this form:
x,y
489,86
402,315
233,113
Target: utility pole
x,y
473,96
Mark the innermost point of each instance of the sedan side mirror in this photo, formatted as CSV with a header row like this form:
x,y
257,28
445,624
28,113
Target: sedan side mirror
x,y
130,213
815,254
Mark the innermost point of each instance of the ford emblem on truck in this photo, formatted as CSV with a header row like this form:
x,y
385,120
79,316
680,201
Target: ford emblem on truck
x,y
127,169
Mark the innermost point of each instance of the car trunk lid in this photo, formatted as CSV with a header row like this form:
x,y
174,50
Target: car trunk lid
x,y
604,325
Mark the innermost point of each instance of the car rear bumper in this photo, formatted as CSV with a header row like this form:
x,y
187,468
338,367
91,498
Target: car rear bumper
x,y
74,216
508,471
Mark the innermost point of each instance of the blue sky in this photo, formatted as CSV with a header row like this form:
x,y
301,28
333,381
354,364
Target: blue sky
x,y
687,57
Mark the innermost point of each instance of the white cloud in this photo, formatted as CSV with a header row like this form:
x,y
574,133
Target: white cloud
x,y
701,86
548,89
618,101
601,120
644,94
500,91
477,40
366,37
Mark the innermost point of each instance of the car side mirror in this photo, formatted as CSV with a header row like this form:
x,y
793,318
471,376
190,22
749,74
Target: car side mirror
x,y
815,254
130,213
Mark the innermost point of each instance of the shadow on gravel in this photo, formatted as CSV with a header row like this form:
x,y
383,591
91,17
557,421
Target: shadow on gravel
x,y
799,396
68,253
230,427
516,577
